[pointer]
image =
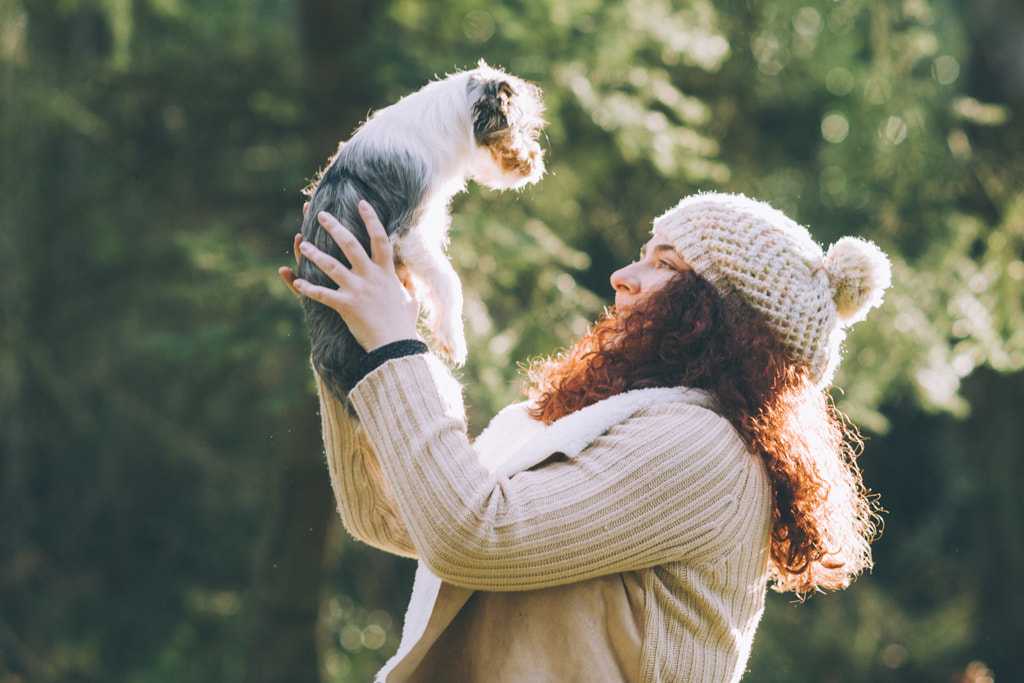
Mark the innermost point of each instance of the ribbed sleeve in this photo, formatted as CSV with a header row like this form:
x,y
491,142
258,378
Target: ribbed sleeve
x,y
656,489
365,501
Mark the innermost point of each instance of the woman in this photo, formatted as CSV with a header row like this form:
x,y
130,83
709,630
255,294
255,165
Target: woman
x,y
624,523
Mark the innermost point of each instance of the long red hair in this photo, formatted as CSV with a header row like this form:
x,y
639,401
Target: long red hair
x,y
686,334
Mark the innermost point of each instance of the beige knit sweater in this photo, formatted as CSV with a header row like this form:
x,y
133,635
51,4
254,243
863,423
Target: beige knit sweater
x,y
644,558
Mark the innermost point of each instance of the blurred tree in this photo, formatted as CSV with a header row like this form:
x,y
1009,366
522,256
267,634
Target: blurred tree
x,y
136,413
164,508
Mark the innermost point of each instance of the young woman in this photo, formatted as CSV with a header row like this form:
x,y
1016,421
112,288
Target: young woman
x,y
624,523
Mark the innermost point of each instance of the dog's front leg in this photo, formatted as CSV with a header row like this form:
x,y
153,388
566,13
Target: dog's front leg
x,y
427,262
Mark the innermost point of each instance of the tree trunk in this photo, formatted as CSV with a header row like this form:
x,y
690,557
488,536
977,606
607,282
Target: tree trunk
x,y
288,576
288,573
340,74
996,435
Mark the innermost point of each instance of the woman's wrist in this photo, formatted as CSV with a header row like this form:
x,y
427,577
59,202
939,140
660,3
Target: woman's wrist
x,y
382,354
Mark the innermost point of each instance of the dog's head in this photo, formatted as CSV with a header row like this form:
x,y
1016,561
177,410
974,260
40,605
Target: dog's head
x,y
507,118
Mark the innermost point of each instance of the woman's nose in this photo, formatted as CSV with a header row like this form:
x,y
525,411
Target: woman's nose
x,y
625,281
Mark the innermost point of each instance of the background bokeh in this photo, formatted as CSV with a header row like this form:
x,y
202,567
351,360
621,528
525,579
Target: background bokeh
x,y
165,512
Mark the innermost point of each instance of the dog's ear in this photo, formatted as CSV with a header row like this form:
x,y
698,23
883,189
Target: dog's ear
x,y
490,111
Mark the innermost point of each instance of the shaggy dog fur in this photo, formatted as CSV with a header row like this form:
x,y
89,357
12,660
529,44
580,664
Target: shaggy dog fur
x,y
407,161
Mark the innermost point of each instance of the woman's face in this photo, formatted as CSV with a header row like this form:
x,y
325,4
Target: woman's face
x,y
658,263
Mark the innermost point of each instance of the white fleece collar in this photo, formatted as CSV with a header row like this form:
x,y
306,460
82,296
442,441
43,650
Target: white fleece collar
x,y
514,442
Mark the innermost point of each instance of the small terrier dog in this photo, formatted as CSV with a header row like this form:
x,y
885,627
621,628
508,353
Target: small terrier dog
x,y
408,160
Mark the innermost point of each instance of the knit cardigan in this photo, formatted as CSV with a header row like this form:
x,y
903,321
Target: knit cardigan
x,y
637,553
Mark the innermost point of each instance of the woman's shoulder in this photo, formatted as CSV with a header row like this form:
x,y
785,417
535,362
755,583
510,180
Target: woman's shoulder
x,y
705,445
691,436
685,420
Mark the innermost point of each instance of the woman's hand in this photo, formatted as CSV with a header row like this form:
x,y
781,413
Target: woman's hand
x,y
286,273
371,298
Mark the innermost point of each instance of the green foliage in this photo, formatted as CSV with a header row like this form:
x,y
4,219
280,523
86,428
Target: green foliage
x,y
158,436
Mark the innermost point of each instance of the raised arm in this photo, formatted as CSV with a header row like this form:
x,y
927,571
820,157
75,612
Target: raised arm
x,y
673,483
669,486
364,499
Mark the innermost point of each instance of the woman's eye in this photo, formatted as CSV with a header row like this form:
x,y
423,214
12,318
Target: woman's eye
x,y
666,264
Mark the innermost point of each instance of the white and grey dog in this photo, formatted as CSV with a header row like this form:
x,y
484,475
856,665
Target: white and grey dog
x,y
408,160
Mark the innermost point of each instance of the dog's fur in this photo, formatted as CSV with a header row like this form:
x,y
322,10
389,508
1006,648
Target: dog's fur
x,y
407,161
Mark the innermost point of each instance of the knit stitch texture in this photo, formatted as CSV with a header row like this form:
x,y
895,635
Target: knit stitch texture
x,y
748,250
644,558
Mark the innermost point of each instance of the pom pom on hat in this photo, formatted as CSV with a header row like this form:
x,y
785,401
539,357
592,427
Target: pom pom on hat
x,y
859,273
749,251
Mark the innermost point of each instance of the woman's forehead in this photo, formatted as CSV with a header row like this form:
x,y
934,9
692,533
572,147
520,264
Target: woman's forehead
x,y
658,241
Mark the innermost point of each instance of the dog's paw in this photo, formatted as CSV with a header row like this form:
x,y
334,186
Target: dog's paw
x,y
450,341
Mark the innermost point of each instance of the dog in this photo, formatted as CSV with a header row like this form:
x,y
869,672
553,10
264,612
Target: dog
x,y
408,160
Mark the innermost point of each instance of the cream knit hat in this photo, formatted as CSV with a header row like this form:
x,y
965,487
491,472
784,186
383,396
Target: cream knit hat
x,y
746,248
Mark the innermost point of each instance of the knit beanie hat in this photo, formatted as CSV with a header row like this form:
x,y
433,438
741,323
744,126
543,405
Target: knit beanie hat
x,y
746,249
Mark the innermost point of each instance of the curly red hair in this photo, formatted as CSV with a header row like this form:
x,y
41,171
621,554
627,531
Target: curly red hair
x,y
686,334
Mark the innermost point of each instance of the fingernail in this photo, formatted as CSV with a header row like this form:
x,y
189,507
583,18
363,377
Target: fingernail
x,y
364,205
305,247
